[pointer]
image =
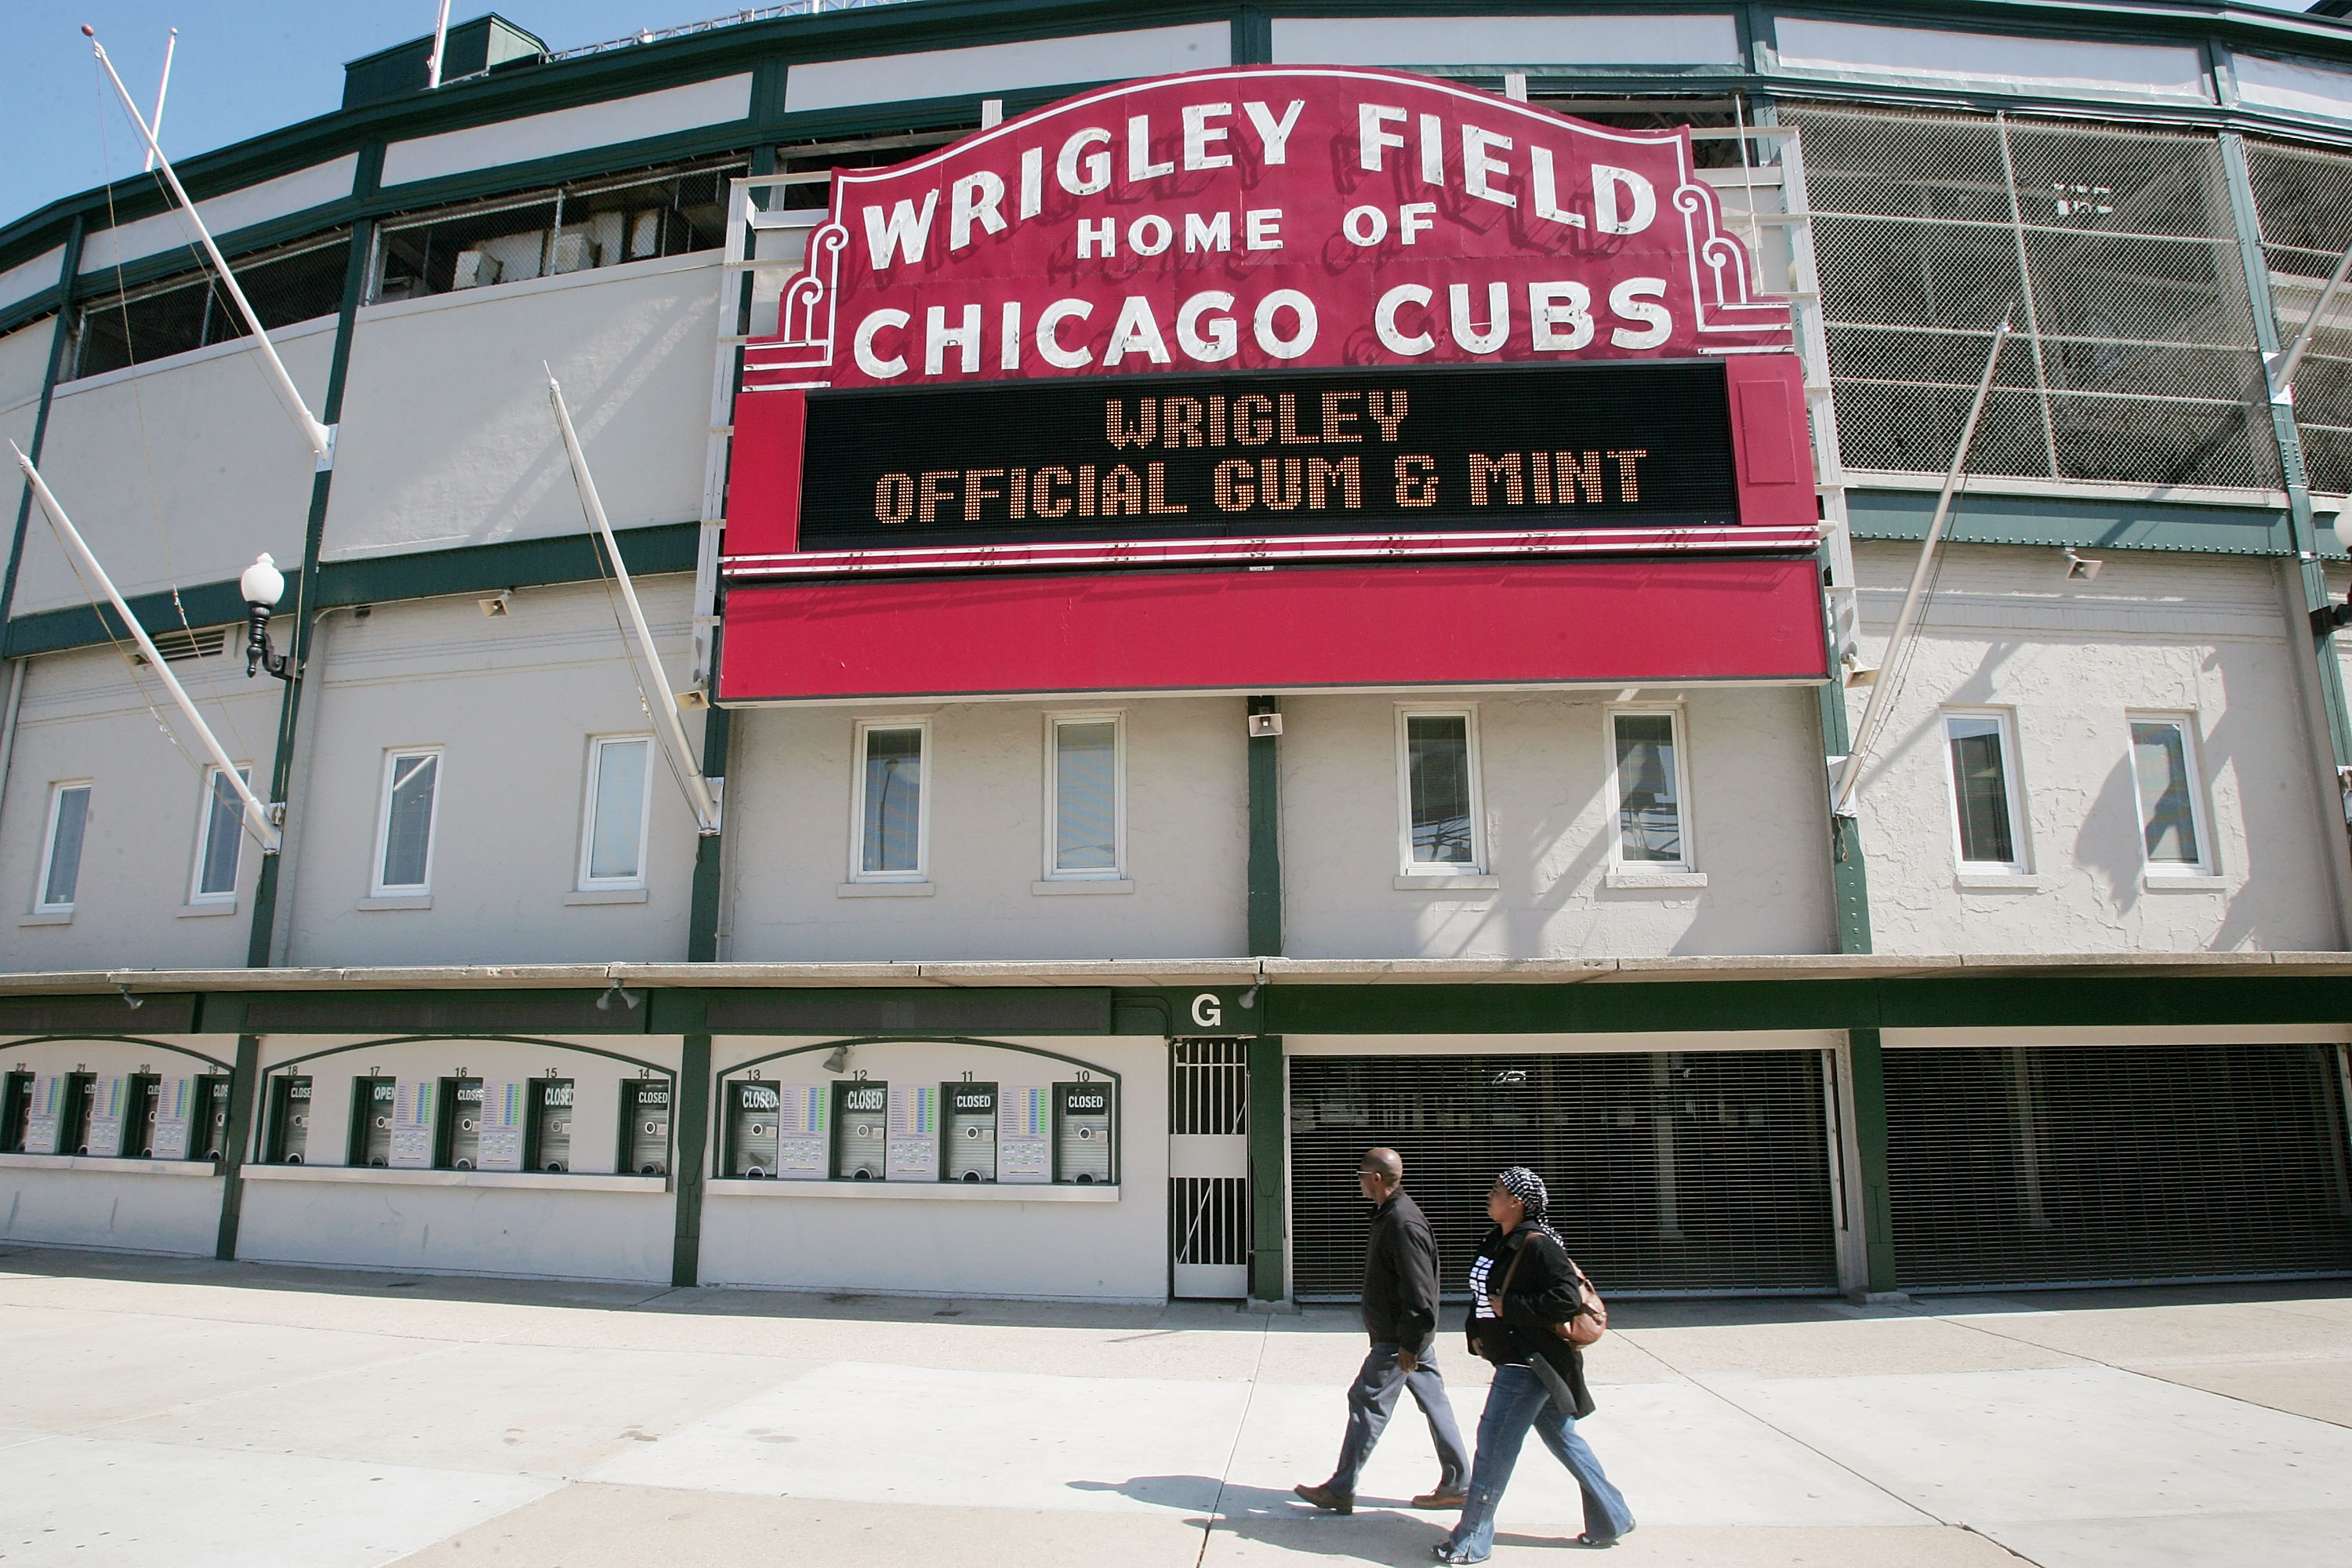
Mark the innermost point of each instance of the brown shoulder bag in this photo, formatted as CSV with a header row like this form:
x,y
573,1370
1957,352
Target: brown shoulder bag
x,y
1590,1321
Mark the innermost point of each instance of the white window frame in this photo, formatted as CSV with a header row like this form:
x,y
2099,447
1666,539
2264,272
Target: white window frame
x,y
1616,798
2012,780
196,894
377,886
1117,719
584,882
922,869
1407,865
58,792
2200,819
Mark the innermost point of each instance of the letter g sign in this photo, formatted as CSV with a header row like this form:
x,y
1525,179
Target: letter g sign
x,y
1207,1011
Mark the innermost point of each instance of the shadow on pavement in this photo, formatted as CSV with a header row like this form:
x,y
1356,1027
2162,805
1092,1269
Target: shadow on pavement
x,y
1381,1530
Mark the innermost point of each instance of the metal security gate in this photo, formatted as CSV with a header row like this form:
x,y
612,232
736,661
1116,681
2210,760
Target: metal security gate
x,y
1671,1172
1208,1166
2081,1164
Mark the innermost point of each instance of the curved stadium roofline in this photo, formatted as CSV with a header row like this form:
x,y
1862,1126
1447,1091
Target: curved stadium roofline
x,y
770,46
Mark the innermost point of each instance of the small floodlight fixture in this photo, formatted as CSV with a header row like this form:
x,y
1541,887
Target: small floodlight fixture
x,y
262,586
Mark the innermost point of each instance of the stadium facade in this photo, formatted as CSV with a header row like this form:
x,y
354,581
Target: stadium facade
x,y
1243,581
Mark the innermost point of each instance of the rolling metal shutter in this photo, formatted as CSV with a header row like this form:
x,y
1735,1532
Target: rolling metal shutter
x,y
1670,1172
2088,1164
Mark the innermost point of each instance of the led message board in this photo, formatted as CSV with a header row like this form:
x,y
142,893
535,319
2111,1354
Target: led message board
x,y
1399,452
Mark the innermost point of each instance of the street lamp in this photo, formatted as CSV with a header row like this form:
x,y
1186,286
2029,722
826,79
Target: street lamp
x,y
262,586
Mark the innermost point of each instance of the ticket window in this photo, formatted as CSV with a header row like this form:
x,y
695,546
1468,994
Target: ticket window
x,y
15,1112
754,1129
969,1147
461,1130
289,1121
208,1134
144,1094
1082,1134
644,1127
861,1120
549,1132
372,1100
80,1110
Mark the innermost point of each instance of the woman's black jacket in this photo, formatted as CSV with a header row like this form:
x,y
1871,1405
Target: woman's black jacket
x,y
1544,1291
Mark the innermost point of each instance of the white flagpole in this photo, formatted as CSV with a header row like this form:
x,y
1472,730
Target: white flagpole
x,y
440,42
2284,365
322,439
257,815
171,45
1851,774
697,789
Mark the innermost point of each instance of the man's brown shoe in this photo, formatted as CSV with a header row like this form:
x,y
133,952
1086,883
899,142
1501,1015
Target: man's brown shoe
x,y
1324,1496
1442,1500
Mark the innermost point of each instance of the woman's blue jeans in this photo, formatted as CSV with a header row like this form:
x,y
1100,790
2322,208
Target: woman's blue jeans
x,y
1515,1403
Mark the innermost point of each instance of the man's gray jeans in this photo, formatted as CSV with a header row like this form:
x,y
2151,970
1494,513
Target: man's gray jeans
x,y
1371,1399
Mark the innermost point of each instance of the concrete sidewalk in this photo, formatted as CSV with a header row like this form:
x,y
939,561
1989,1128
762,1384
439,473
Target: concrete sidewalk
x,y
188,1413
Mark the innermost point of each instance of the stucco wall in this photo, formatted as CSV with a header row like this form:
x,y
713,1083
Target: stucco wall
x,y
783,1234
87,714
2071,660
513,701
179,472
1187,838
449,438
1755,818
24,364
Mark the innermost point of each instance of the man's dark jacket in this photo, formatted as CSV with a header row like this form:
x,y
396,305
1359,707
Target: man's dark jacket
x,y
1400,1275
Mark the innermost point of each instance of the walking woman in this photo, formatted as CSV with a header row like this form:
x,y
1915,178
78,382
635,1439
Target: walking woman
x,y
1520,1287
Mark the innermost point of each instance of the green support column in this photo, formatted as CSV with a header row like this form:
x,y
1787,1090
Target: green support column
x,y
690,1125
1268,1098
691,1099
261,938
1269,1118
1870,1145
2302,537
60,339
1264,837
1849,880
243,1109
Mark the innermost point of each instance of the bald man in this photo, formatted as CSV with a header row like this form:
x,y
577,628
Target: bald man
x,y
1401,1315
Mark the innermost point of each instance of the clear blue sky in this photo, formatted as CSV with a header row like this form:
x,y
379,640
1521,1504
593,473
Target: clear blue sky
x,y
243,66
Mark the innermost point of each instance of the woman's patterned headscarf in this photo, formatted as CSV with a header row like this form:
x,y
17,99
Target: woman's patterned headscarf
x,y
1528,1188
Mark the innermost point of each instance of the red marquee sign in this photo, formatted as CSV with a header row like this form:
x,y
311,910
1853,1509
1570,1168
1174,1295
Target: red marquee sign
x,y
1357,231
1264,219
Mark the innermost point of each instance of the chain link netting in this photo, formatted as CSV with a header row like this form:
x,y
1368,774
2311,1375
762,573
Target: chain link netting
x,y
2114,251
2303,200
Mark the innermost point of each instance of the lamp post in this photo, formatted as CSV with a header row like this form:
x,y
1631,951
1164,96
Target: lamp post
x,y
262,586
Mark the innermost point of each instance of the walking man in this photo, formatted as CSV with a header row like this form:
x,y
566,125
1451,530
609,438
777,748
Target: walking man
x,y
1401,1315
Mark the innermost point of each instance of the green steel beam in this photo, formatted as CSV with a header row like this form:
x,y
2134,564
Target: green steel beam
x,y
690,1126
2058,524
306,586
244,1097
1264,837
2302,538
60,338
1269,1123
1849,878
659,550
1870,1145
